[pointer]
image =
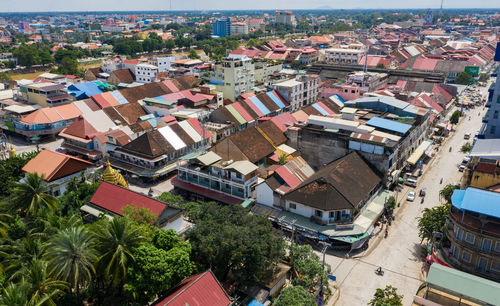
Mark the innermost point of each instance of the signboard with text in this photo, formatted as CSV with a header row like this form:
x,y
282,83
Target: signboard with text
x,y
472,70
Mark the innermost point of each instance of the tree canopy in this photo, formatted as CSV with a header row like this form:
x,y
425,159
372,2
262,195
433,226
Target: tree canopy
x,y
433,220
294,296
386,297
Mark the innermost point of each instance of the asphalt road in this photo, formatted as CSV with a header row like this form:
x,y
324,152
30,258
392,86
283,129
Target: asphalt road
x,y
401,255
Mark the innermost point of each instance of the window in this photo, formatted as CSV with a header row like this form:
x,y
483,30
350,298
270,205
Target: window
x,y
333,215
492,129
469,238
466,256
455,251
495,115
497,246
495,266
292,206
460,233
318,213
482,264
486,245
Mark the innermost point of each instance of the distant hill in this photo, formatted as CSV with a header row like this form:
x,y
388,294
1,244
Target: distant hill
x,y
324,7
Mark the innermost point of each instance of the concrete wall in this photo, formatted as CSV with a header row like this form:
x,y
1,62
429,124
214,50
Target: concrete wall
x,y
264,195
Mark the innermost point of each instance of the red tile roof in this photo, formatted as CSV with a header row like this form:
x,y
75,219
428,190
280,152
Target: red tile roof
x,y
114,198
197,290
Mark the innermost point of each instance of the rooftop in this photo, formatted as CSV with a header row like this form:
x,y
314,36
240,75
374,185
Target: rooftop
x,y
477,201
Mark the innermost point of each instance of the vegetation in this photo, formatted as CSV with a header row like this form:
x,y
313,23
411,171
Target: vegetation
x,y
233,242
463,78
433,220
447,192
294,296
29,55
484,77
466,147
309,267
386,297
455,117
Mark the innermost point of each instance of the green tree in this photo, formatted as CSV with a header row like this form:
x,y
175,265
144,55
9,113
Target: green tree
x,y
294,296
4,77
115,242
169,44
31,196
386,297
141,215
228,239
455,117
252,43
296,65
193,54
78,192
308,265
484,77
68,66
463,78
171,199
466,147
11,172
43,289
15,294
71,257
380,65
447,192
27,55
45,57
432,220
282,159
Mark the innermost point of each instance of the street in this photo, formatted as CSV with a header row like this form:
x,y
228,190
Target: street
x,y
401,254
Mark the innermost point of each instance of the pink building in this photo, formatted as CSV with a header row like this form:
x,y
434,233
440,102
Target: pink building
x,y
346,92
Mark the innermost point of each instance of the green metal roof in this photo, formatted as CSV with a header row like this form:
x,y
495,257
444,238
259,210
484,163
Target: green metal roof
x,y
236,115
247,203
464,284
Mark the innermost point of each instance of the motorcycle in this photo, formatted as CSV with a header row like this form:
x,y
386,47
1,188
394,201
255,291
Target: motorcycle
x,y
440,181
422,201
379,271
386,233
449,149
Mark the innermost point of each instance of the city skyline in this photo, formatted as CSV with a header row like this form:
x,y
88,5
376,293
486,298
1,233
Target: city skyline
x,y
147,5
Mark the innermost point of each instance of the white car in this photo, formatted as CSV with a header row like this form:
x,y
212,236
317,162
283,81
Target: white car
x,y
411,196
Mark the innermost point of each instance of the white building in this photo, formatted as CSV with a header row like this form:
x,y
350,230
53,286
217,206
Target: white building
x,y
264,70
299,92
163,63
345,56
239,28
286,17
235,76
146,73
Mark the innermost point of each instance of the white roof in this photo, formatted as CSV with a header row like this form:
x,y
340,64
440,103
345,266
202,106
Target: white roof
x,y
486,148
51,76
346,50
6,94
348,110
242,166
20,109
288,83
172,137
190,131
286,149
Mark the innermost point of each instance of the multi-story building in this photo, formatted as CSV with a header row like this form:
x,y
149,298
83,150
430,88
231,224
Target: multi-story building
x,y
308,56
286,17
44,94
343,56
473,229
146,73
234,76
239,28
163,63
299,92
264,70
188,66
207,175
491,121
221,27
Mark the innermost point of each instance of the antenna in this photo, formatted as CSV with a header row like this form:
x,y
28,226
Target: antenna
x,y
441,9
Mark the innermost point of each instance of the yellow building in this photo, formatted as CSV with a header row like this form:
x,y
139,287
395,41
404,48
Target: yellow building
x,y
483,175
44,94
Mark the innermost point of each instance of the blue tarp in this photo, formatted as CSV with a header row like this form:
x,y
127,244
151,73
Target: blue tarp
x,y
259,104
84,90
275,100
119,97
320,109
389,125
477,201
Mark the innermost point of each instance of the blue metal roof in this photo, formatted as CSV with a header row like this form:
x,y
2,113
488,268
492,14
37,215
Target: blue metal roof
x,y
89,88
497,53
275,99
389,125
260,105
477,201
320,109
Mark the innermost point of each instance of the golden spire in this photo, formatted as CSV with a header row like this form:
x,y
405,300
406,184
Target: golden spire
x,y
12,152
112,176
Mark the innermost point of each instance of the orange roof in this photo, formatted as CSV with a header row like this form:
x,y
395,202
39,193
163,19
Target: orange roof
x,y
53,165
68,111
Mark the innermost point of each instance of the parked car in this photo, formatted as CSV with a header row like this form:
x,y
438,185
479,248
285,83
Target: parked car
x,y
461,168
411,196
411,182
467,135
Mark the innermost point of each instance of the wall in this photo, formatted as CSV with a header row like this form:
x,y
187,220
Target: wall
x,y
265,195
177,224
483,180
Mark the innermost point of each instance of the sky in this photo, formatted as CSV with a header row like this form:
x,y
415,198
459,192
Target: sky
x,y
151,5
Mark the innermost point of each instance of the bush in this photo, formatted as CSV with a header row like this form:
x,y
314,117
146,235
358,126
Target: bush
x,y
466,147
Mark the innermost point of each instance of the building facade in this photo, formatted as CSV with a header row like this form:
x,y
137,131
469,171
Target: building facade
x,y
343,56
286,17
234,76
491,121
146,73
299,92
221,27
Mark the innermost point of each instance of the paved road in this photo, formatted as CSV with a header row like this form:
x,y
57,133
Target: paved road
x,y
401,255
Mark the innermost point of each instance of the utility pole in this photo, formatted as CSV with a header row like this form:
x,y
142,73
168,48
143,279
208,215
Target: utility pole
x,y
321,291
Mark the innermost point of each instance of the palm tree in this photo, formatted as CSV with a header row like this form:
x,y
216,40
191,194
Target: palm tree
x,y
15,294
71,256
115,241
42,287
4,226
31,195
20,254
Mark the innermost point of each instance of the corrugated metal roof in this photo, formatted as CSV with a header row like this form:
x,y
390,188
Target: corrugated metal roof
x,y
275,99
119,97
477,201
109,97
288,177
254,107
260,105
320,109
389,125
236,115
323,106
172,138
464,284
237,106
190,131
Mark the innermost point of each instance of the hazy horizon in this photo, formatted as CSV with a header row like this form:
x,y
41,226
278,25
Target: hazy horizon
x,y
13,6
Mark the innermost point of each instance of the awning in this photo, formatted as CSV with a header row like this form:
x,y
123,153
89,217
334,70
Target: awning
x,y
94,212
419,151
